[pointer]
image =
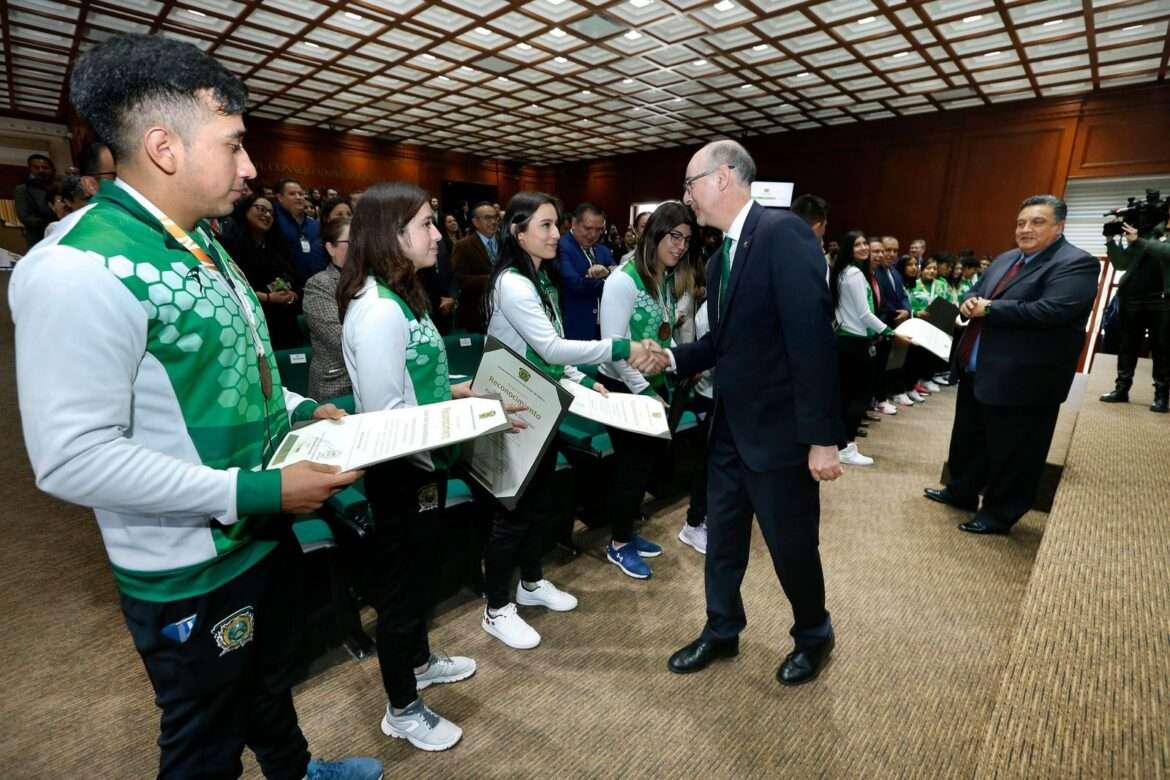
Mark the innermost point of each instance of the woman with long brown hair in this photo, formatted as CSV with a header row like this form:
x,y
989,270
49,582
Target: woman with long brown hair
x,y
640,301
395,357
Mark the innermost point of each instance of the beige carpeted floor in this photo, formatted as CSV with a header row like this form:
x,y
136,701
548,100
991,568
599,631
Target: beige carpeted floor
x,y
924,614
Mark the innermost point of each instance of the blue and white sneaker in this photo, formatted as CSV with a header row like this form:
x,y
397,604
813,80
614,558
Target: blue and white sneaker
x,y
345,769
645,547
628,560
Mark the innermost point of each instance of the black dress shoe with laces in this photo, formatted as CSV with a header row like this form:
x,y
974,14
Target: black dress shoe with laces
x,y
804,663
943,496
981,525
1120,395
699,654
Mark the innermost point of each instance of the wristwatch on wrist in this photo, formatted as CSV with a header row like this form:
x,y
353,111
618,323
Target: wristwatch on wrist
x,y
987,308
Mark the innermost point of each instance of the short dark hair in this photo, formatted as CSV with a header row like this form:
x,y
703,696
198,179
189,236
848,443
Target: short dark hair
x,y
1059,207
480,205
127,82
585,208
39,156
71,188
91,158
811,208
280,185
969,261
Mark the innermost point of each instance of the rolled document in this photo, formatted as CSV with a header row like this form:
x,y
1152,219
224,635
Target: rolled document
x,y
361,440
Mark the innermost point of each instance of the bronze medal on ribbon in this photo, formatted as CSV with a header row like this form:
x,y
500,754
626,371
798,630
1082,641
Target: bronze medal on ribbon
x,y
265,376
664,331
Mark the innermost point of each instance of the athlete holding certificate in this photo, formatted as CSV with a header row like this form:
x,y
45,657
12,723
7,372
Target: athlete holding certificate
x,y
640,302
396,357
524,313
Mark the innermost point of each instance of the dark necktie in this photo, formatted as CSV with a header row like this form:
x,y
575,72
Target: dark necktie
x,y
725,273
589,256
967,345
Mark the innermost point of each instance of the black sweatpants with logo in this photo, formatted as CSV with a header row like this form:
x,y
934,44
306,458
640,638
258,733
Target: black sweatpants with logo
x,y
218,697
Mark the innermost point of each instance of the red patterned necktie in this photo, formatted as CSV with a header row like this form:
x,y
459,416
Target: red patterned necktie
x,y
967,345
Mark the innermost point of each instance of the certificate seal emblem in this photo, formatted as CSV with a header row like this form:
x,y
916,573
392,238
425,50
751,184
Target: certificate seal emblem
x,y
235,630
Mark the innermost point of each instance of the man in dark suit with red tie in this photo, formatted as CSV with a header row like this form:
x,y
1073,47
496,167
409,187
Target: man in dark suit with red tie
x,y
776,422
1015,364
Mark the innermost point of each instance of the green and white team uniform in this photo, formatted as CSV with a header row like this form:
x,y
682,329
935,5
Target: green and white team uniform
x,y
855,315
629,311
520,320
140,395
941,288
921,296
394,357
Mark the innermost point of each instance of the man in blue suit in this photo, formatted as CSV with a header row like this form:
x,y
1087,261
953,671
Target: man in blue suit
x,y
583,263
776,423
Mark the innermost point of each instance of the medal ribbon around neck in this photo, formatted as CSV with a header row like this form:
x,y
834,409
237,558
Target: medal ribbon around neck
x,y
207,262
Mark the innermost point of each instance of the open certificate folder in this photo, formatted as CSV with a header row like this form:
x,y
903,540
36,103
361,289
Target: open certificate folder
x,y
504,465
634,413
927,336
361,440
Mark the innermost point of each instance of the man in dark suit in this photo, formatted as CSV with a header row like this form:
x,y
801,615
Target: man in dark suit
x,y
583,262
776,422
439,282
32,199
1015,364
472,259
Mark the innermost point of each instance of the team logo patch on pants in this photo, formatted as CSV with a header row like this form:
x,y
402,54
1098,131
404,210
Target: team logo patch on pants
x,y
428,497
235,630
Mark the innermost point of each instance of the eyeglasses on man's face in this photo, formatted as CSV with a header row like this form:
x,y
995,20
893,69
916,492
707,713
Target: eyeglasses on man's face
x,y
689,182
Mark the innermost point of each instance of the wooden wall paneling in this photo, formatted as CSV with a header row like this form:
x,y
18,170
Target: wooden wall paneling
x,y
994,172
913,180
1133,140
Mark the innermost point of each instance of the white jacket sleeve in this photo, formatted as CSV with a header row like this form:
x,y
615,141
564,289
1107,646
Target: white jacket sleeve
x,y
854,303
80,343
375,355
617,306
520,305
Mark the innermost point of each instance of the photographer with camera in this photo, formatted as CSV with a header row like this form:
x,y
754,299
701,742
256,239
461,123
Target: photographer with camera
x,y
1144,294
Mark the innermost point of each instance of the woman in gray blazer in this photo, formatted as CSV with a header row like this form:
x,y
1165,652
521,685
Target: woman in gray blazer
x,y
327,375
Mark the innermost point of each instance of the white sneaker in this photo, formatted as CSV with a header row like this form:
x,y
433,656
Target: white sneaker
x,y
510,628
419,725
545,595
915,396
885,407
931,386
444,669
694,536
850,456
901,399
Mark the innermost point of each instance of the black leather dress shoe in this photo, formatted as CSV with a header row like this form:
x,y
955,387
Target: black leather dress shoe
x,y
1119,395
804,664
979,525
699,654
862,433
943,496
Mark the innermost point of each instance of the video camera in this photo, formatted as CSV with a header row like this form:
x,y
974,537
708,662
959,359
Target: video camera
x,y
1143,215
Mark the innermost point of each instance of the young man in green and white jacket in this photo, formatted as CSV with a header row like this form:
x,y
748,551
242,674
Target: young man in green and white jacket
x,y
148,392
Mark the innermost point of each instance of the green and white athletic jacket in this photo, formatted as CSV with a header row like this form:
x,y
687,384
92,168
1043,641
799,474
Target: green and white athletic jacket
x,y
629,311
140,396
394,358
519,320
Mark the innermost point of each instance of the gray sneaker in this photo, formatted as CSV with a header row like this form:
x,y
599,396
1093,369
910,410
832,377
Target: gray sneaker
x,y
422,727
445,669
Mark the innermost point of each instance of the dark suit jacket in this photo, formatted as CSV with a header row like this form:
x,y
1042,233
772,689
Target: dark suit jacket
x,y
439,281
893,294
1036,327
773,351
580,295
472,268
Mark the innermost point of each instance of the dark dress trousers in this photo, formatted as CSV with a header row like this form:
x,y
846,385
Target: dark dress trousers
x,y
472,268
776,392
1006,410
